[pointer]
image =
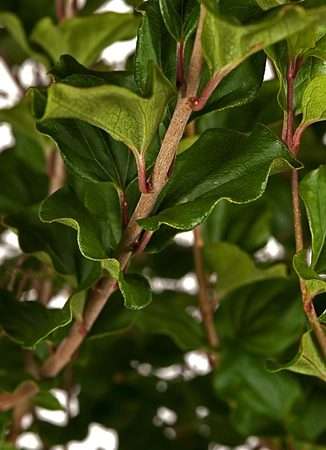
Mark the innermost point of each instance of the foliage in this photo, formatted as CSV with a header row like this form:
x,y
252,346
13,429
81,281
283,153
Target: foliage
x,y
190,137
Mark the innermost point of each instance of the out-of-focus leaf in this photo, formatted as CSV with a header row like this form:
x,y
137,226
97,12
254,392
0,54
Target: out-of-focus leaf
x,y
114,318
83,37
21,119
93,233
238,171
262,400
167,315
313,191
20,184
309,359
44,399
264,318
14,26
268,4
235,268
123,114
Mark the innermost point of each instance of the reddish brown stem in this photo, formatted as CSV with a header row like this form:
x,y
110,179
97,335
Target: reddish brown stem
x,y
204,304
143,242
124,209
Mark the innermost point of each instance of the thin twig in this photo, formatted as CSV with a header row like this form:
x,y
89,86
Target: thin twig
x,y
204,304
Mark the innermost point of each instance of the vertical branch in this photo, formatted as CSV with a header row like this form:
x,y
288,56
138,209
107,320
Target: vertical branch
x,y
124,209
292,140
204,303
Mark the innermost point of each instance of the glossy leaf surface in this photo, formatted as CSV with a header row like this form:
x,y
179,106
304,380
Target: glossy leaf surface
x,y
195,188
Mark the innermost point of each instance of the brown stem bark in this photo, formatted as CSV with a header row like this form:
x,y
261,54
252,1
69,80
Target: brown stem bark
x,y
107,286
204,303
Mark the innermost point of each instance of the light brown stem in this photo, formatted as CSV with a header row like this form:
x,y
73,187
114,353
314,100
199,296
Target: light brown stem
x,y
70,344
57,172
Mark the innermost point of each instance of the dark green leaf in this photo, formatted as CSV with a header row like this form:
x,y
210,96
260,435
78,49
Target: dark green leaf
x,y
167,315
237,170
54,245
93,233
114,318
90,153
134,288
264,318
154,43
171,19
21,182
262,400
237,88
29,322
83,37
268,4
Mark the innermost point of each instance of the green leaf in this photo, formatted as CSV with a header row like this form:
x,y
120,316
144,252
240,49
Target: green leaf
x,y
237,88
102,200
202,176
226,44
114,318
264,318
134,288
90,153
235,268
167,315
67,66
21,119
315,284
154,43
262,401
171,19
123,114
313,191
22,182
93,235
15,28
309,359
29,322
44,399
313,101
54,244
83,37
268,4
